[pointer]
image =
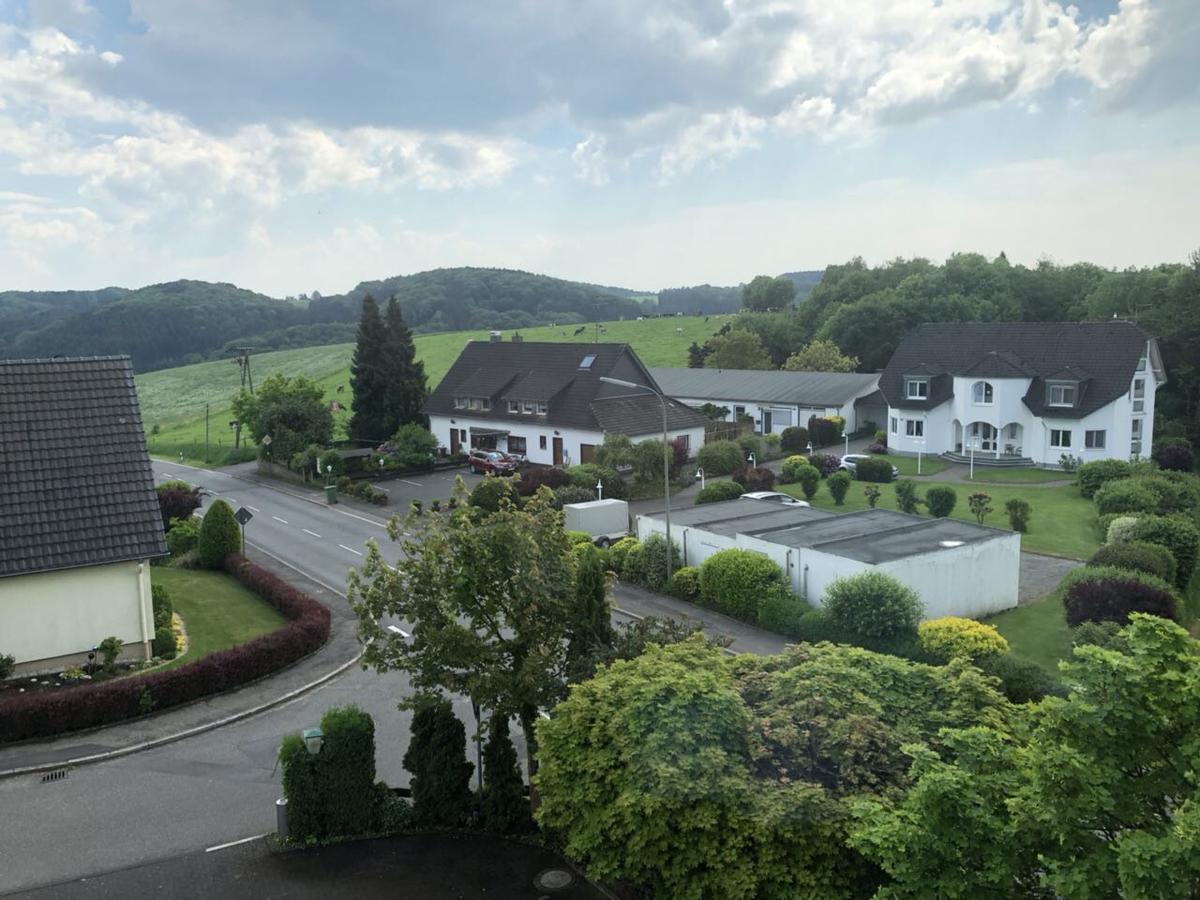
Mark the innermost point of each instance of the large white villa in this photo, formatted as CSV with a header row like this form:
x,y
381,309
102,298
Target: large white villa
x,y
1023,393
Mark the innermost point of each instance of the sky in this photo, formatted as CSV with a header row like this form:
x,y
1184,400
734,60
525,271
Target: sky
x,y
292,146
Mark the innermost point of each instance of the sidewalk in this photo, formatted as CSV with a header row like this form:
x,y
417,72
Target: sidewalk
x,y
340,650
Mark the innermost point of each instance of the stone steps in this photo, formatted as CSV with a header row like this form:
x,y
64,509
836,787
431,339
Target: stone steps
x,y
986,459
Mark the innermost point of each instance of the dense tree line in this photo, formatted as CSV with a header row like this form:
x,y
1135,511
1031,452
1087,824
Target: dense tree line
x,y
387,379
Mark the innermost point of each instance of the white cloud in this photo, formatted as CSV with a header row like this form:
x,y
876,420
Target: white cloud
x,y
1118,49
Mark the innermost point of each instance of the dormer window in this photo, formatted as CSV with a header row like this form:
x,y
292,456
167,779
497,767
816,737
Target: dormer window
x,y
982,392
475,403
916,389
1060,395
460,402
514,407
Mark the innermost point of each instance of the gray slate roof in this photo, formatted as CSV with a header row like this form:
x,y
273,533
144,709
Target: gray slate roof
x,y
798,388
76,488
550,371
1102,355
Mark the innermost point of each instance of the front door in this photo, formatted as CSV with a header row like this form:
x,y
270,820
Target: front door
x,y
766,419
587,453
558,451
454,444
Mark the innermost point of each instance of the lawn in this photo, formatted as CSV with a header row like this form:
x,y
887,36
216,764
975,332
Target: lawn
x,y
218,613
175,399
1019,476
1063,523
1037,632
930,465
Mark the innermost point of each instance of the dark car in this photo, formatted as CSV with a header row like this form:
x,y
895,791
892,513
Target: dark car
x,y
484,461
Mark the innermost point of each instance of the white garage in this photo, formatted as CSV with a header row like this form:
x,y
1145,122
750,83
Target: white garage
x,y
958,568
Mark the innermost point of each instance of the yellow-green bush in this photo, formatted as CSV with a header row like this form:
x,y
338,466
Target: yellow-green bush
x,y
951,637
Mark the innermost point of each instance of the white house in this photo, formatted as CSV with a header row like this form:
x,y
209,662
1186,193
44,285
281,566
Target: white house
x,y
958,568
79,518
547,402
1023,393
777,400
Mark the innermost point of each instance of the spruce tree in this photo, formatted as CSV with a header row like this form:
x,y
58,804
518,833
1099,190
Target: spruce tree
x,y
368,377
591,632
437,760
406,389
505,809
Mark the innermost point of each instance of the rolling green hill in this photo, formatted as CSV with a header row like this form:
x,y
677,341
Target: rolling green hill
x,y
174,399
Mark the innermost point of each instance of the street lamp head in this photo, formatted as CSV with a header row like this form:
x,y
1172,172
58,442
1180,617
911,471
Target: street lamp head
x,y
620,382
314,738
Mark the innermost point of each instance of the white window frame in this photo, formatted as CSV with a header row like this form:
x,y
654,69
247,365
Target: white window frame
x,y
514,407
1139,394
1090,439
1056,434
541,407
475,403
914,428
988,393
895,425
1064,388
922,386
460,402
527,407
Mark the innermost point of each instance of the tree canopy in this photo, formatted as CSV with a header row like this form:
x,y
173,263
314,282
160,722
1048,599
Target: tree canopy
x,y
764,292
820,356
739,349
292,410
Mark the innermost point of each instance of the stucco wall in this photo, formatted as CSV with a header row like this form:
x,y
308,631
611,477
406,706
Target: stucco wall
x,y
974,580
60,614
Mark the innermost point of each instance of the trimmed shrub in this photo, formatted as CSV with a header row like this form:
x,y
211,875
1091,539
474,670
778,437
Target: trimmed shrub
x,y
1125,495
183,536
1178,535
1105,594
1154,559
874,470
1019,512
646,563
879,448
534,477
781,611
41,715
815,626
1120,529
1177,457
809,479
8,662
825,463
505,809
579,537
587,474
822,431
940,498
331,464
160,602
618,552
794,439
838,484
871,607
907,500
1020,680
219,535
790,468
492,491
1099,634
980,504
437,760
685,584
1174,492
734,582
717,491
953,637
572,493
720,457
1090,476
759,478
750,443
177,500
164,642
872,493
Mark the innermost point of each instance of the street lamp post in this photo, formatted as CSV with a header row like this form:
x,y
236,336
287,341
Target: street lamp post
x,y
599,489
810,448
700,475
753,462
666,456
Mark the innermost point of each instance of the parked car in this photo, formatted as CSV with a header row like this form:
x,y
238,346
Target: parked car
x,y
774,497
850,463
484,461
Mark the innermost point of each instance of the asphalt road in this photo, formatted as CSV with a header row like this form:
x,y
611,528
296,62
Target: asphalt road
x,y
221,786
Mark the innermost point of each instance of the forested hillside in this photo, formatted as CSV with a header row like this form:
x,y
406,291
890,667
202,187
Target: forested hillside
x,y
709,299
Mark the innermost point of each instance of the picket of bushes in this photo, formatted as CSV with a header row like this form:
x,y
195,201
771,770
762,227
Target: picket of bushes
x,y
40,715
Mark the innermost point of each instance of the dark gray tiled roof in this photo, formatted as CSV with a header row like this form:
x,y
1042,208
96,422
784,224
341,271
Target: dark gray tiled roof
x,y
532,370
76,488
764,386
1102,355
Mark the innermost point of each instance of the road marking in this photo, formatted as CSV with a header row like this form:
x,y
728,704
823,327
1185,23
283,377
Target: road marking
x,y
234,843
362,519
341,592
351,549
231,500
400,631
313,533
253,509
413,483
277,519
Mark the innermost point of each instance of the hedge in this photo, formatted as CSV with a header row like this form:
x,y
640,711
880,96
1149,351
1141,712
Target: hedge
x,y
1178,457
1140,556
794,439
1174,492
534,477
685,584
40,715
1106,594
1125,495
735,581
823,431
1090,476
585,475
874,469
718,491
759,478
720,457
1175,533
825,463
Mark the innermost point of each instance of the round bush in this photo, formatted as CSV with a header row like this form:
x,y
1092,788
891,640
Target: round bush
x,y
872,607
782,611
809,479
164,642
823,431
1020,680
219,535
572,493
1175,533
952,637
718,491
1090,476
720,457
1019,512
1105,594
1154,559
587,474
825,463
875,470
646,563
685,584
734,581
940,499
794,439
815,626
1177,457
759,478
489,493
879,447
1125,495
1174,492
619,551
789,471
838,483
1099,634
331,464
1120,529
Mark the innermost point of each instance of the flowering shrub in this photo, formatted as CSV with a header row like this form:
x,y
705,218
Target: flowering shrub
x,y
952,637
878,447
825,463
759,478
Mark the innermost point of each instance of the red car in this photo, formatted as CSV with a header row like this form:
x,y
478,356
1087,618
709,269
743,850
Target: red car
x,y
484,461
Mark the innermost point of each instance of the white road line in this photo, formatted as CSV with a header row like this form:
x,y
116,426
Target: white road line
x,y
400,631
351,549
235,843
413,483
253,509
231,500
277,519
313,533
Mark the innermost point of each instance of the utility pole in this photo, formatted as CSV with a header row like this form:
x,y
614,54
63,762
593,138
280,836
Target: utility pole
x,y
205,432
243,363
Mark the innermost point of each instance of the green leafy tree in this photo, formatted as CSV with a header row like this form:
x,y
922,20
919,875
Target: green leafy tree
x,y
872,606
489,599
505,808
590,629
820,356
980,503
436,759
406,387
292,410
738,349
220,535
616,450
764,292
369,377
838,484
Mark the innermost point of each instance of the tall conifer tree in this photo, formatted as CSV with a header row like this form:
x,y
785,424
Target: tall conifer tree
x,y
406,388
368,377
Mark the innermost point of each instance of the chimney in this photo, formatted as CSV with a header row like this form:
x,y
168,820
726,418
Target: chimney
x,y
496,337
516,338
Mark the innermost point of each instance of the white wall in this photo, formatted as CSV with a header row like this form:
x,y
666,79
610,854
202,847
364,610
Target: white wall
x,y
974,580
57,614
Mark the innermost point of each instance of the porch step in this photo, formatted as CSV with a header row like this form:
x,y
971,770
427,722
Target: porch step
x,y
983,459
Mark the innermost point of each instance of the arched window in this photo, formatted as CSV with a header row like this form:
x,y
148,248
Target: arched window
x,y
983,392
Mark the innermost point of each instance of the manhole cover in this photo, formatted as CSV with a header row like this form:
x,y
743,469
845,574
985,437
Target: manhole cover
x,y
553,880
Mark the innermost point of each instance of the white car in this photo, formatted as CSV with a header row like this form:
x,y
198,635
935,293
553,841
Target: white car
x,y
774,497
850,463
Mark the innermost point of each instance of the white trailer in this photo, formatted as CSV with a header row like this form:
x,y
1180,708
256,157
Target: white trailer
x,y
605,520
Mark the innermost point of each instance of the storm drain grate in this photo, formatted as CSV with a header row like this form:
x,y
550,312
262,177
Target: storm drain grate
x,y
56,775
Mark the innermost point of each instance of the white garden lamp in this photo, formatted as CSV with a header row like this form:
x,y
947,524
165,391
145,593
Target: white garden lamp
x,y
700,475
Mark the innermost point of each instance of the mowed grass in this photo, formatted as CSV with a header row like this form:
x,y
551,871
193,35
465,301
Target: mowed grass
x,y
1019,476
930,465
218,613
1062,523
174,399
1037,632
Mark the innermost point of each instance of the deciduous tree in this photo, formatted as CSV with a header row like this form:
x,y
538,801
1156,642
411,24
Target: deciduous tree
x,y
738,349
820,356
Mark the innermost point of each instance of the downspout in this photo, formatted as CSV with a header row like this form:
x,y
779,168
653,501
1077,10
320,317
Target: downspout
x,y
146,641
804,593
